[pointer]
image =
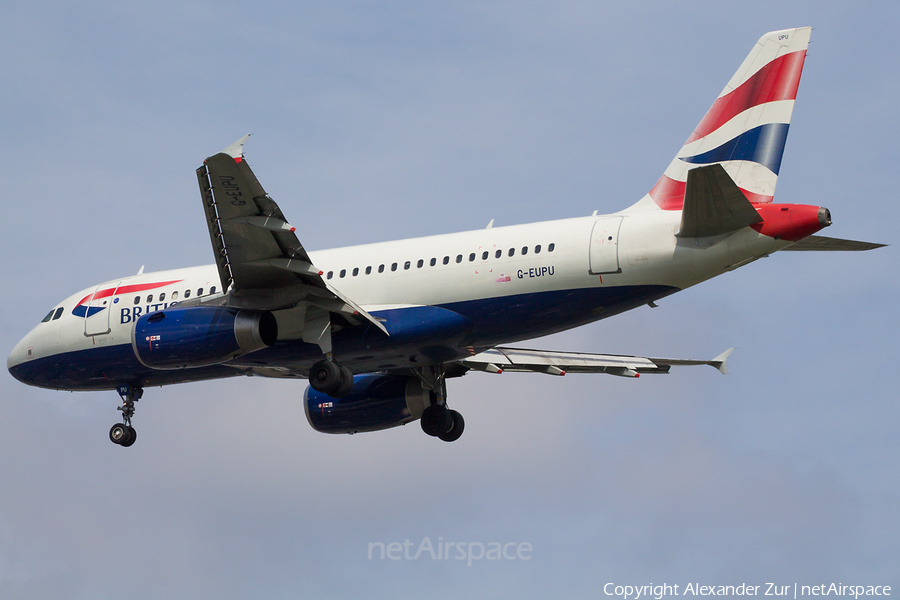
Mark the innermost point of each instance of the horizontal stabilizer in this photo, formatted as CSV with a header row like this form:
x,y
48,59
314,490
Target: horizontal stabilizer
x,y
713,204
818,243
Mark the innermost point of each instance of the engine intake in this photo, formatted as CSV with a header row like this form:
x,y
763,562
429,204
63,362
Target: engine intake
x,y
179,338
375,402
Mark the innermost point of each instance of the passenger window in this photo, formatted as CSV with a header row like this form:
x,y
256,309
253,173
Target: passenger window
x,y
551,247
406,266
420,263
472,257
174,296
355,271
368,270
394,267
433,261
330,275
58,314
200,292
149,298
381,268
512,251
162,297
212,290
459,258
48,317
524,250
446,260
137,299
537,249
187,293
498,253
484,255
343,273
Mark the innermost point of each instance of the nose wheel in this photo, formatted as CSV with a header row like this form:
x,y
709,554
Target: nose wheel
x,y
123,433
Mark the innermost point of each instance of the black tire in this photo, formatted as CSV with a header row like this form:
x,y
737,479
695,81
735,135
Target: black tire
x,y
436,420
325,377
459,424
132,437
346,385
118,433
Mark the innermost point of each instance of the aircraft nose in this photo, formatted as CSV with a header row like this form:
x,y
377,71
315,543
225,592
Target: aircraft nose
x,y
20,354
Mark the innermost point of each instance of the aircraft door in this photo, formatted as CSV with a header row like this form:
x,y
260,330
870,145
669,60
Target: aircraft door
x,y
97,310
605,246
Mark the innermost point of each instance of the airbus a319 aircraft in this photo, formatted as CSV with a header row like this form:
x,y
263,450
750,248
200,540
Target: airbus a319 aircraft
x,y
379,328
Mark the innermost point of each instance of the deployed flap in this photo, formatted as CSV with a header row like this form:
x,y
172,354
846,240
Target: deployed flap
x,y
713,204
501,359
826,244
257,252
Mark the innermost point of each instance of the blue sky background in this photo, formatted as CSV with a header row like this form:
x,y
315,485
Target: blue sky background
x,y
377,121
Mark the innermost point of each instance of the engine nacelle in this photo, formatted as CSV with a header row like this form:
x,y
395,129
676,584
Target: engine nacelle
x,y
178,338
376,402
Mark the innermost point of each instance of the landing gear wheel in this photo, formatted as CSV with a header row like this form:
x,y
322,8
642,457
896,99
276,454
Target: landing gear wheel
x,y
132,437
346,385
325,377
119,433
459,424
123,433
436,420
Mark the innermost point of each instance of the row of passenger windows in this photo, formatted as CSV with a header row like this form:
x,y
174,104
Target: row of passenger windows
x,y
459,258
174,296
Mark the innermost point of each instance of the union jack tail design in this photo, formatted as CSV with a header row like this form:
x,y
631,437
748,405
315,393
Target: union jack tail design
x,y
746,128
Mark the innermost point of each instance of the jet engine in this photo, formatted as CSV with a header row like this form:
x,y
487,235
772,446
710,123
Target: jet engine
x,y
178,338
375,402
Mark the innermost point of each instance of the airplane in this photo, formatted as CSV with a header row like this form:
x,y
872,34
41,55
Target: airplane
x,y
378,329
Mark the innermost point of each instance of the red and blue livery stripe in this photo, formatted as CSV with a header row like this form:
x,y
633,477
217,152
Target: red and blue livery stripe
x,y
85,310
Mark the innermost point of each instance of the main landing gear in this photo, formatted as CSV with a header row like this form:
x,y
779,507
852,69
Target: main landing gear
x,y
437,420
330,378
443,423
123,433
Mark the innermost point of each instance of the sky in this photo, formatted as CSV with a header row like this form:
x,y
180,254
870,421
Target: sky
x,y
379,121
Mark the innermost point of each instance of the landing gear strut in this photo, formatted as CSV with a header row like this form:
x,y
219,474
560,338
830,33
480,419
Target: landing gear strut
x,y
330,378
437,420
123,433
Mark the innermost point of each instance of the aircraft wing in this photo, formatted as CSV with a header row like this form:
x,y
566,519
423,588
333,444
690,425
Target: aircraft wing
x,y
258,255
499,359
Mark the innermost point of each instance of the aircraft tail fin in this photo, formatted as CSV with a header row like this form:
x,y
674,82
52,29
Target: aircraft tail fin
x,y
745,129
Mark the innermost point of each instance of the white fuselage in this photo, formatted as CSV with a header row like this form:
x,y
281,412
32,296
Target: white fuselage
x,y
486,264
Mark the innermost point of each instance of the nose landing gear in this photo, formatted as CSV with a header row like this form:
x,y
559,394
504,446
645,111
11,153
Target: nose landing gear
x,y
123,433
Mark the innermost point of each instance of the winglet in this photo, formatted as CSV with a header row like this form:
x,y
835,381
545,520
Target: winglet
x,y
236,150
719,361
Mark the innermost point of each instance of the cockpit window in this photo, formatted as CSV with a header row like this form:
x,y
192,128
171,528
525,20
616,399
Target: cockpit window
x,y
48,317
58,314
